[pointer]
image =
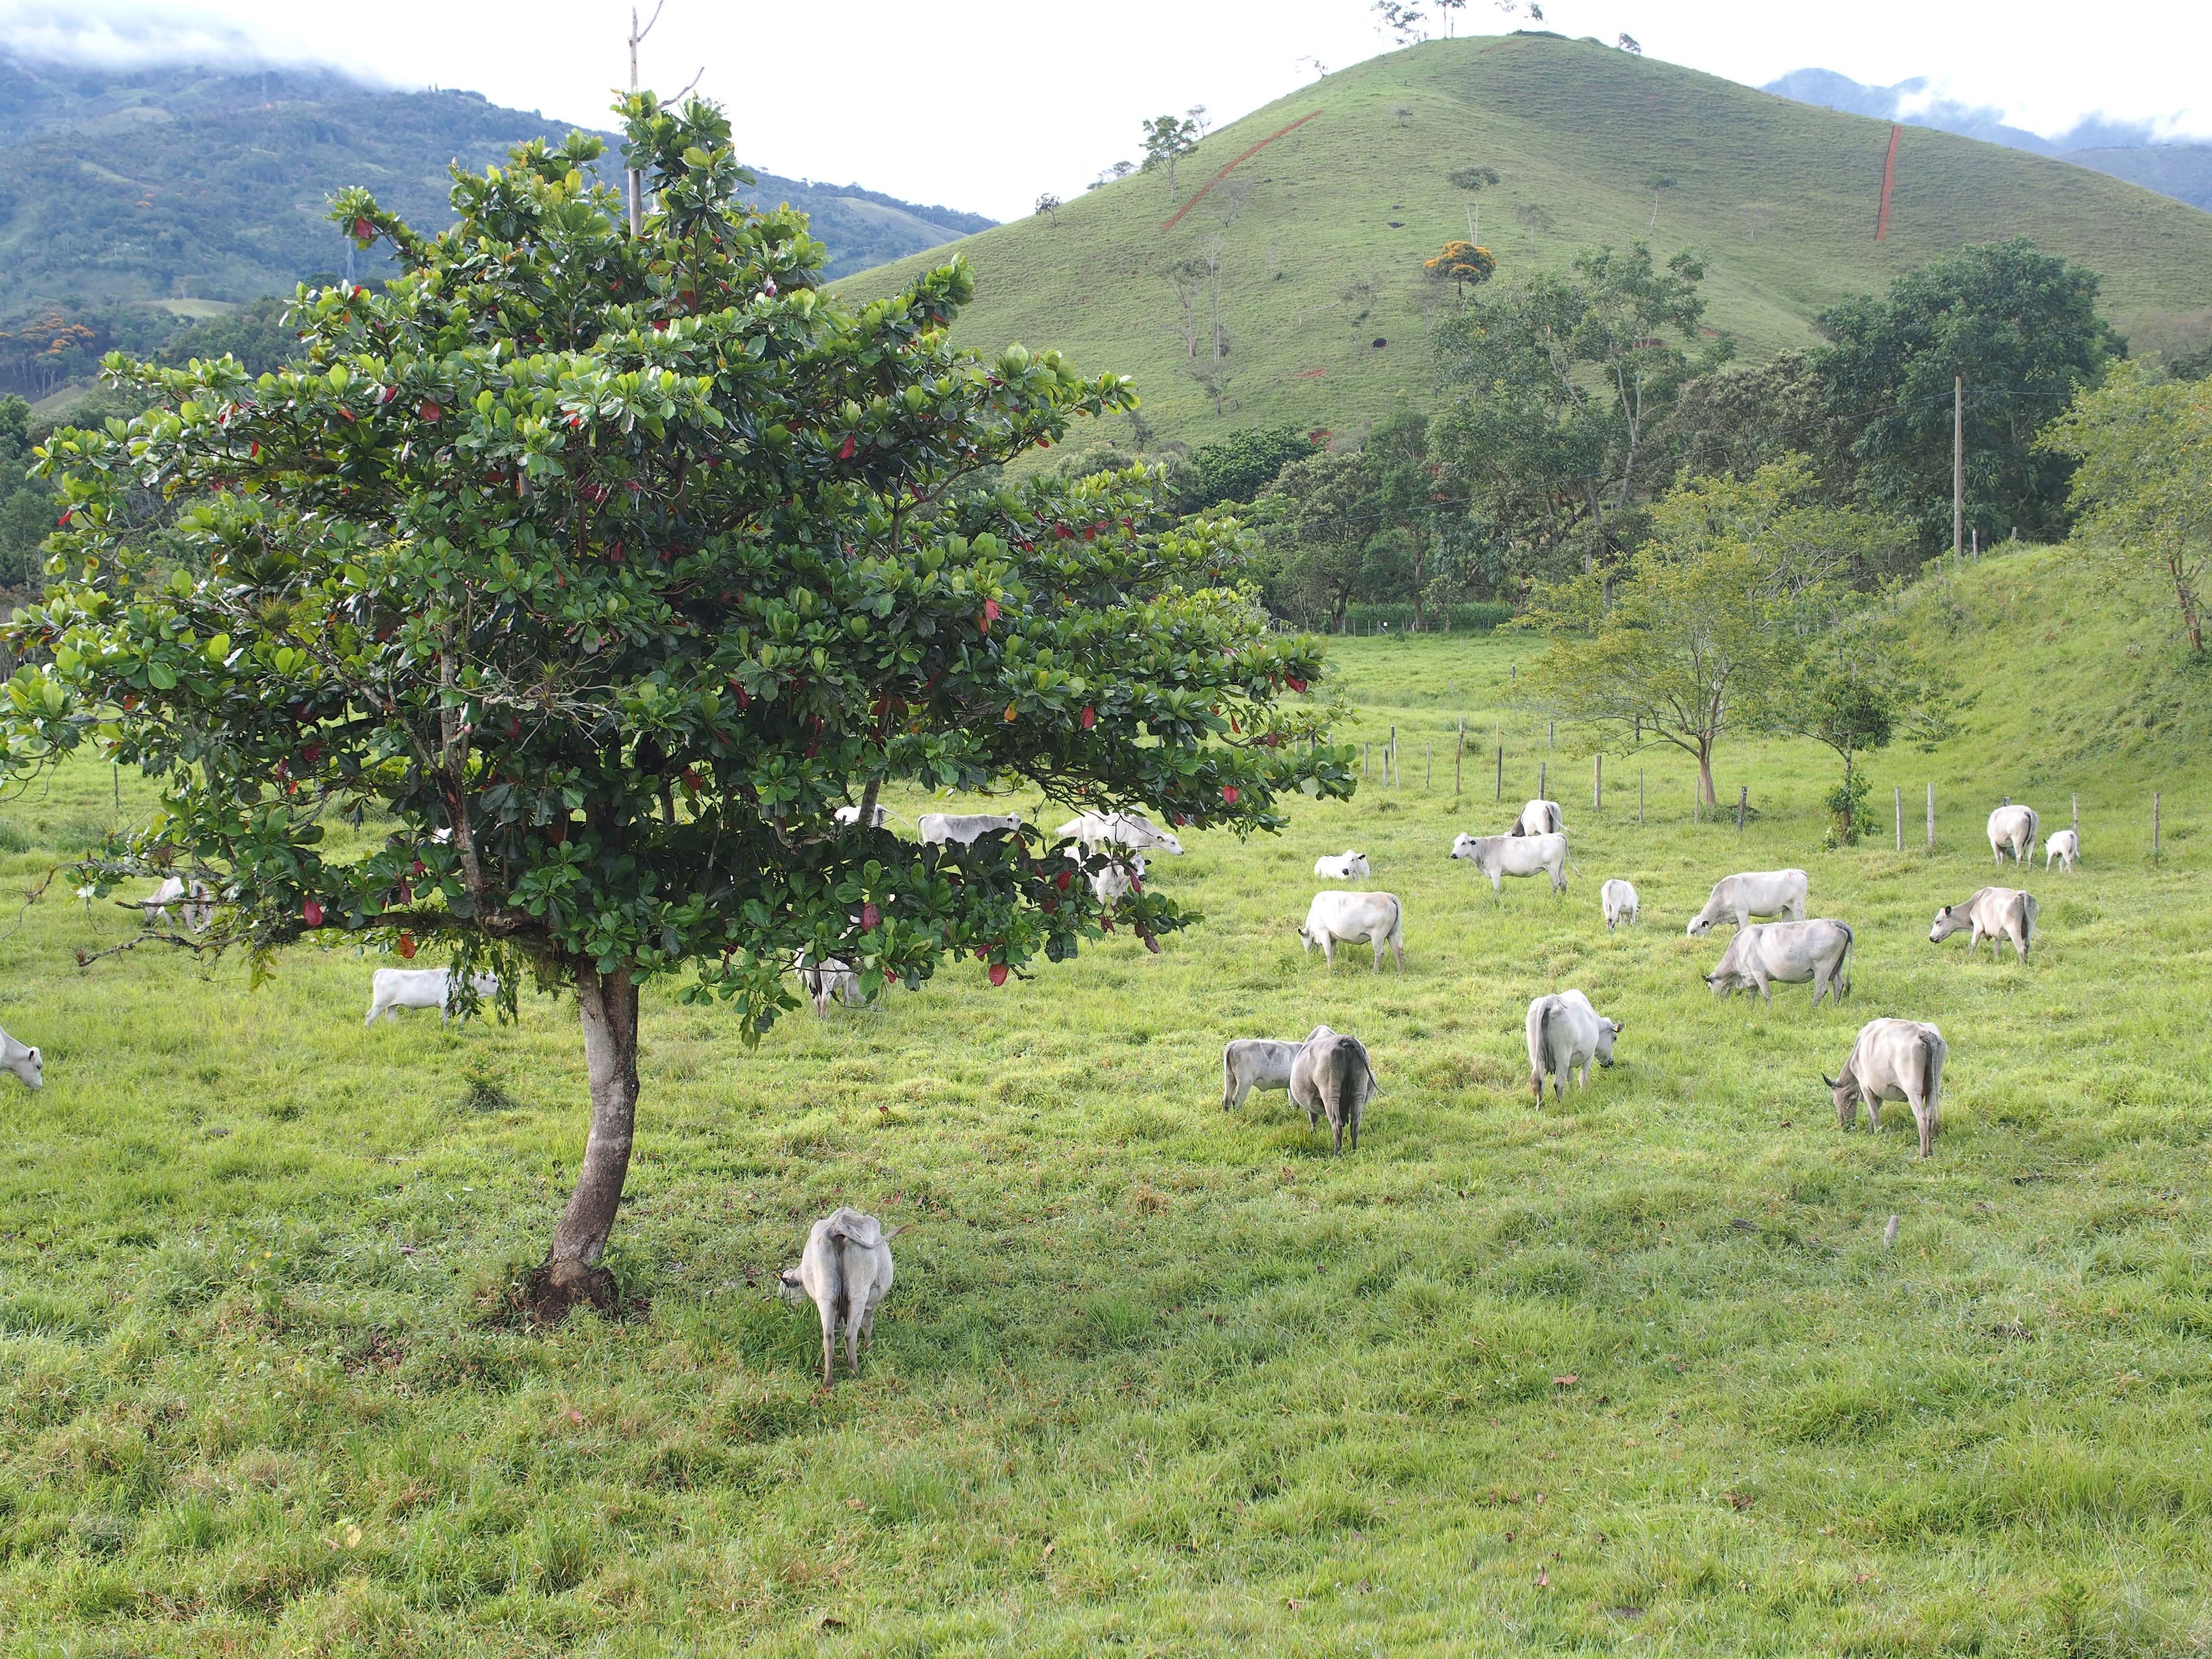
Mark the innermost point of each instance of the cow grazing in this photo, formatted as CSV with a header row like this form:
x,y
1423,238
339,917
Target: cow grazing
x,y
829,981
1250,1063
2013,827
1132,830
845,1271
1540,818
1331,1077
1118,878
1893,1059
24,1061
1617,900
2064,845
198,911
1342,866
1564,1034
1766,953
1500,856
394,988
1754,893
1334,919
1992,913
851,815
965,829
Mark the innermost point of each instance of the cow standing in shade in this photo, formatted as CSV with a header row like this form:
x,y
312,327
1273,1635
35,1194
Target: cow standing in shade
x,y
2013,827
1768,953
1992,913
1893,1059
1331,1077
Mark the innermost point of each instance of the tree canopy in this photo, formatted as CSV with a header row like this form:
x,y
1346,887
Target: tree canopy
x,y
609,567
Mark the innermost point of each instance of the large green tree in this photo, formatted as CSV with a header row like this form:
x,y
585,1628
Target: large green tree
x,y
2021,327
1355,523
610,566
1555,387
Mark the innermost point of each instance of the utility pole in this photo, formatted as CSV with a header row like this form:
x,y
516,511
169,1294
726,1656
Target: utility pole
x,y
1958,469
637,179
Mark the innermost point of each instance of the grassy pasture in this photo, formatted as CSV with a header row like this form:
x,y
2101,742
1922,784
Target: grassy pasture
x,y
1633,1374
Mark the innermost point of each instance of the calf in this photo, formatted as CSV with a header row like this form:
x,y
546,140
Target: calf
x,y
1331,1077
845,1272
1564,1034
1992,913
2064,845
1540,818
1500,856
23,1061
965,828
827,982
1754,893
1767,953
1347,918
1342,866
197,913
1250,1063
1617,900
851,815
1893,1059
2013,827
1120,829
1118,879
394,988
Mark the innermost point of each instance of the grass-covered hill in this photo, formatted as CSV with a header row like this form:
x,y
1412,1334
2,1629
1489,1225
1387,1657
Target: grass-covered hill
x,y
212,183
1634,1373
1323,265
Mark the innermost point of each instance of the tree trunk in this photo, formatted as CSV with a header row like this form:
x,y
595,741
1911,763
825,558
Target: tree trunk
x,y
606,1005
1705,775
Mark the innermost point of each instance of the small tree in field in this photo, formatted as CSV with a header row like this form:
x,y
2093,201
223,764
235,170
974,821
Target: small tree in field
x,y
609,567
1168,139
1459,264
1049,205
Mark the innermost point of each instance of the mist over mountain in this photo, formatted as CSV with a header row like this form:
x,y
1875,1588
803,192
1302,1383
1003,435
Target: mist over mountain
x,y
2126,149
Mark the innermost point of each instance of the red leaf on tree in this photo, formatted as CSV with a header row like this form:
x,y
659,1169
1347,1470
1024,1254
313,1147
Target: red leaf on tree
x,y
871,917
1013,714
407,946
430,410
1061,881
1152,945
1090,717
312,914
1297,685
990,610
363,231
846,453
998,973
1229,794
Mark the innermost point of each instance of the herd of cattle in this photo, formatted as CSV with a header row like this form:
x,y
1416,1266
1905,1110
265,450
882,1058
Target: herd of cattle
x,y
845,1268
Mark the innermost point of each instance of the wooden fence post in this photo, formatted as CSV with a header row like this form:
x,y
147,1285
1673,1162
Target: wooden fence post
x,y
1500,794
1742,803
1363,748
1931,818
1901,818
1543,781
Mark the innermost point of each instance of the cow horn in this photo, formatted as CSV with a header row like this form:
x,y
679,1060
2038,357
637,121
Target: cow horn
x,y
1825,1078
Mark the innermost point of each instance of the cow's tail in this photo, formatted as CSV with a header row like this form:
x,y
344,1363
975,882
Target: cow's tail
x,y
1397,926
1931,1051
1540,1048
2027,914
1844,968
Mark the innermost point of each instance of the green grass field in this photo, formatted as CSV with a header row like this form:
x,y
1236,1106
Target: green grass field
x,y
1633,1374
1324,259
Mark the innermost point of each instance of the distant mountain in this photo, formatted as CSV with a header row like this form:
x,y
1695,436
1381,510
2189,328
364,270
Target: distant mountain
x,y
182,183
2126,149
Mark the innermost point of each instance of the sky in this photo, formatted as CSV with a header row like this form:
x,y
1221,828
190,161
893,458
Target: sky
x,y
985,106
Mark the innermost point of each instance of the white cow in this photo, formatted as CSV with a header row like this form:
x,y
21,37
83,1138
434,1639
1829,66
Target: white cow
x,y
1119,878
1540,818
1335,918
1564,1034
1120,829
1755,893
1332,1077
197,913
851,815
2013,827
23,1061
1250,1063
394,988
2064,845
829,981
845,1271
1893,1059
1342,866
1500,856
1617,900
964,828
1765,953
1992,913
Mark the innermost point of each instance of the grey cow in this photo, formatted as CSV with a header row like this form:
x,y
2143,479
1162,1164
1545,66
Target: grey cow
x,y
1893,1059
845,1272
1992,913
1250,1063
1332,1077
1768,953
